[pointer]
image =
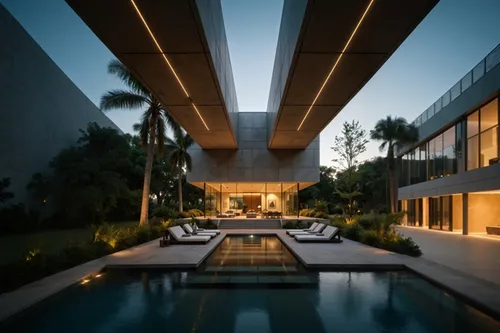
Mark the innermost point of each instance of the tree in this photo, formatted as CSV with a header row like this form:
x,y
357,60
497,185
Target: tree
x,y
394,133
153,124
373,185
4,194
178,156
348,146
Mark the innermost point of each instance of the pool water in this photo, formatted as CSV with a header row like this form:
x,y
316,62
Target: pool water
x,y
251,284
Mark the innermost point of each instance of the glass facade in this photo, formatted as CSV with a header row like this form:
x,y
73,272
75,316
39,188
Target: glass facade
x,y
482,136
239,199
443,155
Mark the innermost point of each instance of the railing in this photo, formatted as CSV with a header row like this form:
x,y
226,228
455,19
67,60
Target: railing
x,y
484,66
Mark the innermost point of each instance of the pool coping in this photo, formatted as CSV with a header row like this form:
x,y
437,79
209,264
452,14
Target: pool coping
x,y
471,291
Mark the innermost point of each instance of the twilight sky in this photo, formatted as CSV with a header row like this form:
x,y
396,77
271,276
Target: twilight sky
x,y
453,38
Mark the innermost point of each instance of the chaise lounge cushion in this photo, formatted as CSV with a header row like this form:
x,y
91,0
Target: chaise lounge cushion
x,y
316,230
330,234
177,233
187,227
311,228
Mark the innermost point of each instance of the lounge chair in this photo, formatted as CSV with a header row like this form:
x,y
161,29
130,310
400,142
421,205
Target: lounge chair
x,y
329,235
316,230
311,228
180,237
196,229
189,230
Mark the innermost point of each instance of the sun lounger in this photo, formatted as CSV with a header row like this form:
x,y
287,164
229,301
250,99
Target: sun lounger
x,y
311,228
316,230
189,230
329,235
180,237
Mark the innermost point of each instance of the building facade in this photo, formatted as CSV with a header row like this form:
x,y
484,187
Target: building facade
x,y
41,109
326,52
450,180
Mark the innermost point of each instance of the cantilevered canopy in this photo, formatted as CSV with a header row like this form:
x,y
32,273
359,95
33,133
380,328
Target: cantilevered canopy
x,y
340,46
164,44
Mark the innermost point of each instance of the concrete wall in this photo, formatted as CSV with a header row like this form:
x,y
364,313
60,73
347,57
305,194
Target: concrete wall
x,y
291,22
482,179
210,12
484,210
41,110
253,161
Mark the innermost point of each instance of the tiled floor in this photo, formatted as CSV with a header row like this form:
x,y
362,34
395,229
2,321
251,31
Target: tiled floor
x,y
475,256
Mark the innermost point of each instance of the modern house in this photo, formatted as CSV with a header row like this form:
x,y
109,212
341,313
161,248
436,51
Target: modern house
x,y
41,109
450,180
327,51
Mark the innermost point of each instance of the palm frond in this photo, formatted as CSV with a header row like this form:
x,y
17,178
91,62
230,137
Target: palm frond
x,y
160,134
121,99
116,68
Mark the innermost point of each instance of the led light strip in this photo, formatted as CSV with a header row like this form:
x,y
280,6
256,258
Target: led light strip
x,y
336,63
168,62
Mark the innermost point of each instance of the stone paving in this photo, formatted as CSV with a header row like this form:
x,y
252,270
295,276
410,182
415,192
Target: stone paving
x,y
475,282
475,256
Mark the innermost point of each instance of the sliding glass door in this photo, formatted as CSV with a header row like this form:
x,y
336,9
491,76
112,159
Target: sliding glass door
x,y
441,213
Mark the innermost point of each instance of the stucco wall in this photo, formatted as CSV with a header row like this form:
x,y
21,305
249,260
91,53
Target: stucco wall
x,y
253,161
41,110
484,210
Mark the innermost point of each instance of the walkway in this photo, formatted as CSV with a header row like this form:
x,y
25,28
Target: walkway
x,y
478,257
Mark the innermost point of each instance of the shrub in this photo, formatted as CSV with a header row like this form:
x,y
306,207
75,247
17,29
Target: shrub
x,y
321,206
289,225
164,213
405,245
321,215
371,237
352,232
183,215
195,212
339,224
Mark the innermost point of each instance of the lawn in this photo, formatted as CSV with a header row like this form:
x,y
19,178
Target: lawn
x,y
49,241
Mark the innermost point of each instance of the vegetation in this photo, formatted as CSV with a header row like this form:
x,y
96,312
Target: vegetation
x,y
348,146
394,133
178,156
152,127
378,230
97,181
100,241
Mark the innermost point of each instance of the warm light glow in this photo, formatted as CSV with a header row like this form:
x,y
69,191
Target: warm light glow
x,y
98,275
166,60
85,281
336,63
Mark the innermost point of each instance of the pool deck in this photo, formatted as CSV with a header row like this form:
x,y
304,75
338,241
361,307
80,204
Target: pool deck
x,y
347,255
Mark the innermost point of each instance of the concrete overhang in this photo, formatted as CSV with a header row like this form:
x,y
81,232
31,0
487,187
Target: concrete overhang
x,y
350,40
147,35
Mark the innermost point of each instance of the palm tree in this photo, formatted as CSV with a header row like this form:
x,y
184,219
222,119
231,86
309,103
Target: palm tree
x,y
153,123
395,133
178,156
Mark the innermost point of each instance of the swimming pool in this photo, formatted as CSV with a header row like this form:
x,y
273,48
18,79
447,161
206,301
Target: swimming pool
x,y
251,284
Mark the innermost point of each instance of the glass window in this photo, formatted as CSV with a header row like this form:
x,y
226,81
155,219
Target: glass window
x,y
473,124
473,152
431,169
422,163
489,146
489,115
438,155
449,153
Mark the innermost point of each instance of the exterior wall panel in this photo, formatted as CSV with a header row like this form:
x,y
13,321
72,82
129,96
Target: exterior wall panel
x,y
41,109
254,162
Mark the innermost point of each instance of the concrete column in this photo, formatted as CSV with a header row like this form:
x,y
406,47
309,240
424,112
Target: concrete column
x,y
465,213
